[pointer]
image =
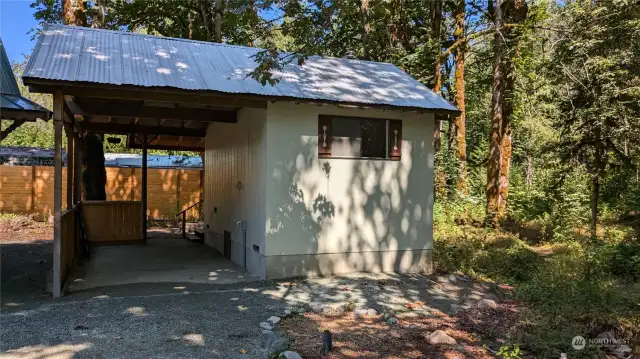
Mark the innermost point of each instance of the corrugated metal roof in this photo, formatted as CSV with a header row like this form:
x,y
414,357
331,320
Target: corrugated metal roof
x,y
80,54
28,156
32,156
12,104
153,161
8,84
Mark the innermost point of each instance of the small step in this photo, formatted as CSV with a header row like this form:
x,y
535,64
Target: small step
x,y
195,238
199,232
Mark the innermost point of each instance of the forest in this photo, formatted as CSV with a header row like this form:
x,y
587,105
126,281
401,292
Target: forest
x,y
537,180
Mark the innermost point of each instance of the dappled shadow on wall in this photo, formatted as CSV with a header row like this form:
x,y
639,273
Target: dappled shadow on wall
x,y
364,215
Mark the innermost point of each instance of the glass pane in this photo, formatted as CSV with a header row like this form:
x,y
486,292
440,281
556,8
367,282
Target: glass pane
x,y
346,137
374,138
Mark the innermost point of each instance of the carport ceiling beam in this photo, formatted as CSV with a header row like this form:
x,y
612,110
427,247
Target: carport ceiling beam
x,y
129,109
152,130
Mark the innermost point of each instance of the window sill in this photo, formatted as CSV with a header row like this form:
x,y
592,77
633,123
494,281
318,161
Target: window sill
x,y
357,158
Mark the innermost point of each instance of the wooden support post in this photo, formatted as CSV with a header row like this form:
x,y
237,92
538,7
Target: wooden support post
x,y
77,190
77,174
201,193
70,164
144,187
58,103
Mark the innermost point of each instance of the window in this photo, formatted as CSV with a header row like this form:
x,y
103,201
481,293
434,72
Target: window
x,y
355,137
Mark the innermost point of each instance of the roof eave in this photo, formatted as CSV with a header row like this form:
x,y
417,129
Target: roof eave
x,y
41,85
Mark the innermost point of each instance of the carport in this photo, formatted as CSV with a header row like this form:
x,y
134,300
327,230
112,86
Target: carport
x,y
65,64
165,258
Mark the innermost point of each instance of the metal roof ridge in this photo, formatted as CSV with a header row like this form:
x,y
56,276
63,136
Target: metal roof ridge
x,y
129,33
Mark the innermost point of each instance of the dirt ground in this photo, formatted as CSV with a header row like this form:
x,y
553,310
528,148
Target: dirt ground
x,y
475,331
26,253
419,306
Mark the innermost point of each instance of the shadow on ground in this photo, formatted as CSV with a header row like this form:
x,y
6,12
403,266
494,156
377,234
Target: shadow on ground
x,y
25,269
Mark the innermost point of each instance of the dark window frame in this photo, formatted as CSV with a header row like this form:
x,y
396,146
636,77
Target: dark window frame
x,y
392,135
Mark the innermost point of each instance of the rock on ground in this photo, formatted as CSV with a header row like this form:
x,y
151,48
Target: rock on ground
x,y
273,320
273,342
266,325
290,355
333,309
316,307
360,312
487,303
440,337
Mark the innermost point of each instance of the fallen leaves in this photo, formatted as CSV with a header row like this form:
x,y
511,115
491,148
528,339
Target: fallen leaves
x,y
414,305
372,337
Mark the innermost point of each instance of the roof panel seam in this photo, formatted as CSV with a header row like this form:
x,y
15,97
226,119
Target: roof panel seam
x,y
84,36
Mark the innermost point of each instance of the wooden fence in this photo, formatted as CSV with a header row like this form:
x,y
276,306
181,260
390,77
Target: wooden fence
x,y
29,189
113,222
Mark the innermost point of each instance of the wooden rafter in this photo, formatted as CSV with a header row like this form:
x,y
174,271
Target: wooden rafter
x,y
89,107
16,123
118,128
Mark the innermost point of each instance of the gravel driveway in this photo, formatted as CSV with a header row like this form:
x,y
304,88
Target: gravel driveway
x,y
166,320
141,321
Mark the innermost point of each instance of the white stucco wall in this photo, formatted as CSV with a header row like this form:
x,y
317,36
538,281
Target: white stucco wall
x,y
237,153
317,206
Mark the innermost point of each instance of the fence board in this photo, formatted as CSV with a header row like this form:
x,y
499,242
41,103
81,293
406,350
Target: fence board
x,y
29,189
113,222
16,187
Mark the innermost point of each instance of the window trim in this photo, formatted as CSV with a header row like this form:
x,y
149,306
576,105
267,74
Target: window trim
x,y
325,133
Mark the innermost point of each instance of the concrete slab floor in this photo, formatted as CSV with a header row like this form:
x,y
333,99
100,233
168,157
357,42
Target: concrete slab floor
x,y
165,258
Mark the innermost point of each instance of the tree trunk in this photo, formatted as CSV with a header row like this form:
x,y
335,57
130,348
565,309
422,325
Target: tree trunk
x,y
595,191
495,135
218,22
190,26
436,21
94,175
529,171
205,12
459,123
505,164
366,28
506,42
599,166
514,12
101,8
73,13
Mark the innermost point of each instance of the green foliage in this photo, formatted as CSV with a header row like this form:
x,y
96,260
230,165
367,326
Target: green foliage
x,y
509,352
571,286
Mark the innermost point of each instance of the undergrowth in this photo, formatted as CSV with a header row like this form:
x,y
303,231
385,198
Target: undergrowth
x,y
573,286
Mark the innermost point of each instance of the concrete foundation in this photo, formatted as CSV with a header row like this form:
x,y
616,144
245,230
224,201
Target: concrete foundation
x,y
326,264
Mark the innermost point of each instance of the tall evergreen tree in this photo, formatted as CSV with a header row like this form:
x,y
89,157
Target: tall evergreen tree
x,y
597,57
